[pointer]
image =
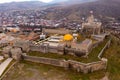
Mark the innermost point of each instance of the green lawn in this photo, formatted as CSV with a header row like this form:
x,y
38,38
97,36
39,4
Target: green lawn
x,y
92,57
113,56
80,38
51,73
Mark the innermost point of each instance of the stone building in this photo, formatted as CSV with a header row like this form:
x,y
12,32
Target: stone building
x,y
13,52
91,25
6,51
23,44
99,37
48,47
84,47
56,31
16,53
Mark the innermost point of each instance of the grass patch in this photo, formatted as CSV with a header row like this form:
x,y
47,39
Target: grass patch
x,y
69,74
93,55
80,38
26,73
113,56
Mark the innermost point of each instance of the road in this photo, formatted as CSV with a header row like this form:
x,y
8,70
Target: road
x,y
4,65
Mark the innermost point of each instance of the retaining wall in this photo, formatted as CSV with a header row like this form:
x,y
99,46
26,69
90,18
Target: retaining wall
x,y
46,49
54,62
87,67
70,64
58,50
105,47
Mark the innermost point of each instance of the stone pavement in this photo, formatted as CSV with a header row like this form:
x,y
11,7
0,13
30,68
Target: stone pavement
x,y
4,65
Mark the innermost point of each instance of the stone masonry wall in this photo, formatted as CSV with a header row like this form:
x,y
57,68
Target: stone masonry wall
x,y
88,67
70,64
75,65
54,62
45,49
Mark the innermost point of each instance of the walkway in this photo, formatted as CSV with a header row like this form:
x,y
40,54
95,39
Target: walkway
x,y
4,65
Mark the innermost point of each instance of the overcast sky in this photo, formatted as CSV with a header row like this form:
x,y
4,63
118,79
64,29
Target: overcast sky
x,y
4,1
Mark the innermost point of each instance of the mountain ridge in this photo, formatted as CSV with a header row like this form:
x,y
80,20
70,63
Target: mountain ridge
x,y
108,8
21,5
38,4
65,9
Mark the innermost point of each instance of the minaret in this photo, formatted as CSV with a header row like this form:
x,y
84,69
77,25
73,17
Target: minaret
x,y
91,17
91,21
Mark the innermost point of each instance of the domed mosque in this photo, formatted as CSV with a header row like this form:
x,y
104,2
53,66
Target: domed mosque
x,y
68,37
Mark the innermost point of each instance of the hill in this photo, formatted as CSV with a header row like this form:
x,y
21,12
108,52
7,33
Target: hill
x,y
37,4
71,9
69,2
21,5
100,7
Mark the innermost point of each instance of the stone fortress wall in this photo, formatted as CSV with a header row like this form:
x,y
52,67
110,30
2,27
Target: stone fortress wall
x,y
75,65
43,60
70,64
45,48
58,50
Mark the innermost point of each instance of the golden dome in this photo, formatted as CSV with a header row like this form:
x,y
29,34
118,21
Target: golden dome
x,y
68,37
